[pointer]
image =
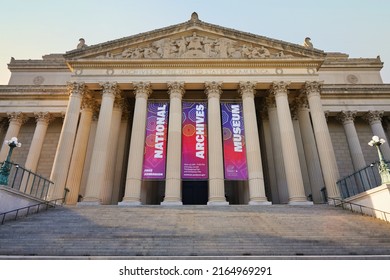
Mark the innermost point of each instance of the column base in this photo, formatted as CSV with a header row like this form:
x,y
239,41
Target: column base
x,y
129,203
171,203
217,203
259,202
300,203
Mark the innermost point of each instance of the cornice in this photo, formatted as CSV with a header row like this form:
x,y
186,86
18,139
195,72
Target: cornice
x,y
194,63
40,92
359,90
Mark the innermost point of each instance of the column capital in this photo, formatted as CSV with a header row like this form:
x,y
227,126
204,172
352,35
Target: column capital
x,y
312,88
176,89
110,89
213,89
373,116
76,89
247,89
89,103
119,102
142,89
17,117
43,117
346,116
279,88
270,102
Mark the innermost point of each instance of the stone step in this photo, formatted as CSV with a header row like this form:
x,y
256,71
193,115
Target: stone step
x,y
195,231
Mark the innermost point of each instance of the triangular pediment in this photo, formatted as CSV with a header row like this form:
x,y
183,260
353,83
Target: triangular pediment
x,y
194,39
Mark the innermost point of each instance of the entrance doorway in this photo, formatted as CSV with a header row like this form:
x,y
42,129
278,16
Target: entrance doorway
x,y
195,192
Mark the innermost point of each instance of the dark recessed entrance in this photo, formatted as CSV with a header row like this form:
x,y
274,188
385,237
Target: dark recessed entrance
x,y
195,192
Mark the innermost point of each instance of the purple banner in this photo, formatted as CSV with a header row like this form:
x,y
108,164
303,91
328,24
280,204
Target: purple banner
x,y
194,141
155,153
234,151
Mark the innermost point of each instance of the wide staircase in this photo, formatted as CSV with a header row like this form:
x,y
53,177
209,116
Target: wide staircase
x,y
195,231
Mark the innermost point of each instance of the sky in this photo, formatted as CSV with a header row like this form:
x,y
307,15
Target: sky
x,y
30,29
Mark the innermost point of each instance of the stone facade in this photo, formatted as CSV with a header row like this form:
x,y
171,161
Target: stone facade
x,y
308,115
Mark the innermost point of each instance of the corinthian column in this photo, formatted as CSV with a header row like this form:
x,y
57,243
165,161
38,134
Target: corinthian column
x,y
324,142
173,181
63,155
216,176
296,189
80,150
347,119
310,148
134,168
106,192
95,182
255,167
280,171
375,120
16,119
43,119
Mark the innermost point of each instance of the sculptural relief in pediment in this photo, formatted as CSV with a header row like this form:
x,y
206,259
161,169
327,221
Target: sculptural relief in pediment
x,y
195,46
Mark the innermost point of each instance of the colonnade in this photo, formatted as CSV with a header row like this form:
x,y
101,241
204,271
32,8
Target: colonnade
x,y
72,147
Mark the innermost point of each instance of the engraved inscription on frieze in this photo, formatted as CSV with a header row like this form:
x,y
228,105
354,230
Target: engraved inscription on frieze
x,y
195,46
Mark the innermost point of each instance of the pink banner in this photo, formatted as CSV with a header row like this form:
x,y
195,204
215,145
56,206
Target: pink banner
x,y
194,141
155,153
234,151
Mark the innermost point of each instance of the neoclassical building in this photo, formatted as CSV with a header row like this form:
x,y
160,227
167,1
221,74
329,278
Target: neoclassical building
x,y
195,113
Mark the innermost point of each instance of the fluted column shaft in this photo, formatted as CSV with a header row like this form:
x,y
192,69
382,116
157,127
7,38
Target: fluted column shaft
x,y
347,119
43,119
95,182
137,143
280,171
252,142
289,147
16,119
375,120
106,192
80,150
62,158
173,173
324,142
216,174
311,154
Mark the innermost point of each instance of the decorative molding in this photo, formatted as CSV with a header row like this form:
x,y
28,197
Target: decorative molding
x,y
176,89
17,117
373,116
76,88
213,89
247,89
142,90
43,117
346,116
279,88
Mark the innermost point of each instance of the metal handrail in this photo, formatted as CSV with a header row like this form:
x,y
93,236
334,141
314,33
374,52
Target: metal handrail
x,y
28,182
51,203
341,203
360,181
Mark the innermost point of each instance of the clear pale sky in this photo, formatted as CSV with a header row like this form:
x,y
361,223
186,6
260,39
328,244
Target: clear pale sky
x,y
32,28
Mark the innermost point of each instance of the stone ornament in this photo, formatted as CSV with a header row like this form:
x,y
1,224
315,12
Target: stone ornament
x,y
195,46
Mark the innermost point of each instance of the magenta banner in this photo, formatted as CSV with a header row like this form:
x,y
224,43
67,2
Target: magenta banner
x,y
194,141
234,151
155,153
